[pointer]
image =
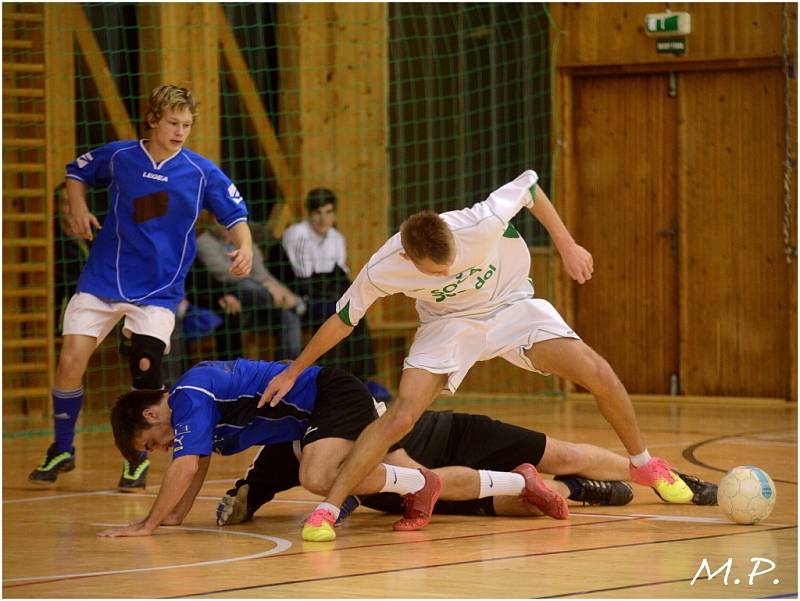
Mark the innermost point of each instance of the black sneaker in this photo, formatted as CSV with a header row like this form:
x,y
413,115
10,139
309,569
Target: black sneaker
x,y
134,475
53,463
232,508
597,492
705,493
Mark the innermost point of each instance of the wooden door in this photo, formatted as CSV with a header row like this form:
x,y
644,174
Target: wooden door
x,y
706,163
734,279
625,160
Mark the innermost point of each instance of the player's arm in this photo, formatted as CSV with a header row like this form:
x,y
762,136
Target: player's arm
x,y
177,481
353,305
79,218
242,257
577,260
333,331
181,510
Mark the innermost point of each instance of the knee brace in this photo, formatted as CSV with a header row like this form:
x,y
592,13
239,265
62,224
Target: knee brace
x,y
152,349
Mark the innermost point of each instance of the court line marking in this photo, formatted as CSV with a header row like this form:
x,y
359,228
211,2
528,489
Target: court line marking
x,y
653,517
281,545
115,493
688,452
67,496
667,518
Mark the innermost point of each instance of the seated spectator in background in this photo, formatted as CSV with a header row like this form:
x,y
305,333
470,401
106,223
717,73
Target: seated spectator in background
x,y
317,253
258,302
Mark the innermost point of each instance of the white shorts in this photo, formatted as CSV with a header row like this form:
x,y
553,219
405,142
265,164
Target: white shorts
x,y
452,346
90,316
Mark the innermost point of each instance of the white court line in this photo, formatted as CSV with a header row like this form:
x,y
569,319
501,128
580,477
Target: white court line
x,y
207,498
653,517
281,544
665,518
630,516
115,493
51,497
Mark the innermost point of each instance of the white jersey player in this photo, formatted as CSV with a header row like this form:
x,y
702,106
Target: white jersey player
x,y
468,271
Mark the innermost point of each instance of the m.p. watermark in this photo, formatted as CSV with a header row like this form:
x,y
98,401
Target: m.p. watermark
x,y
757,562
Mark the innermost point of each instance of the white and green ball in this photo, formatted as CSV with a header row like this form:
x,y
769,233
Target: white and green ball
x,y
746,494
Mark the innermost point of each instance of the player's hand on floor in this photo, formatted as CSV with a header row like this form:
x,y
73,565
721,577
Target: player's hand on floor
x,y
578,263
136,529
278,387
241,261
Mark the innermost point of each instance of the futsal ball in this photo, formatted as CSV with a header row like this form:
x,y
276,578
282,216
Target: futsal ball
x,y
746,494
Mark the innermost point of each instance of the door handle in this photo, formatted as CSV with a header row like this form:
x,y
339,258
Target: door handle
x,y
672,234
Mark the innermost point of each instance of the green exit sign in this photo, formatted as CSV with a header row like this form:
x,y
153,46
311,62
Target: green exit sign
x,y
667,24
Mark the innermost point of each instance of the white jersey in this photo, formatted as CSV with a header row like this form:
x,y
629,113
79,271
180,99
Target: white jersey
x,y
490,270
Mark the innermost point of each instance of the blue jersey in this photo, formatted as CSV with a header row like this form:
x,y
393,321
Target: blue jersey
x,y
214,407
147,243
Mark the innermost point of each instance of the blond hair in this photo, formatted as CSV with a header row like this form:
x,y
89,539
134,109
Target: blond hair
x,y
425,235
169,97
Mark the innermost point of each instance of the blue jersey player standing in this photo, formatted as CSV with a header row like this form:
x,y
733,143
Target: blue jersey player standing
x,y
138,263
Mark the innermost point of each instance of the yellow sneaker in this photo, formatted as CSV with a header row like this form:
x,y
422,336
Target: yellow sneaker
x,y
658,475
319,526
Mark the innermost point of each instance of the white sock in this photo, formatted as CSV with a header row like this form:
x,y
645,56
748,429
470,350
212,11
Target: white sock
x,y
402,480
332,508
641,459
495,484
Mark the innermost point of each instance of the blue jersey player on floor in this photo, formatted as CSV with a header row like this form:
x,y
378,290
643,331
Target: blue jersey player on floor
x,y
138,263
213,407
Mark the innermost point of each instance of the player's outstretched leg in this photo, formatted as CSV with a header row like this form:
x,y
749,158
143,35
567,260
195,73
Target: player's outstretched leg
x,y
144,354
537,494
597,492
579,363
418,506
67,398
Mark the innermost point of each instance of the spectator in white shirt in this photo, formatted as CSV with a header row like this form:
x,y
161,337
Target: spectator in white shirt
x,y
317,254
315,246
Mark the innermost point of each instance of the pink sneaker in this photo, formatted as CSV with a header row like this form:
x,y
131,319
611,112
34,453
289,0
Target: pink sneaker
x,y
538,495
418,506
319,526
658,475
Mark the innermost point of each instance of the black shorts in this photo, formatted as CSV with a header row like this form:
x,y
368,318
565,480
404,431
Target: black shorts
x,y
475,441
344,407
484,443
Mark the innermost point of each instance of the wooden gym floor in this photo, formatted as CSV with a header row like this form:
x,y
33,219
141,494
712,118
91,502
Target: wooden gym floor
x,y
644,550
